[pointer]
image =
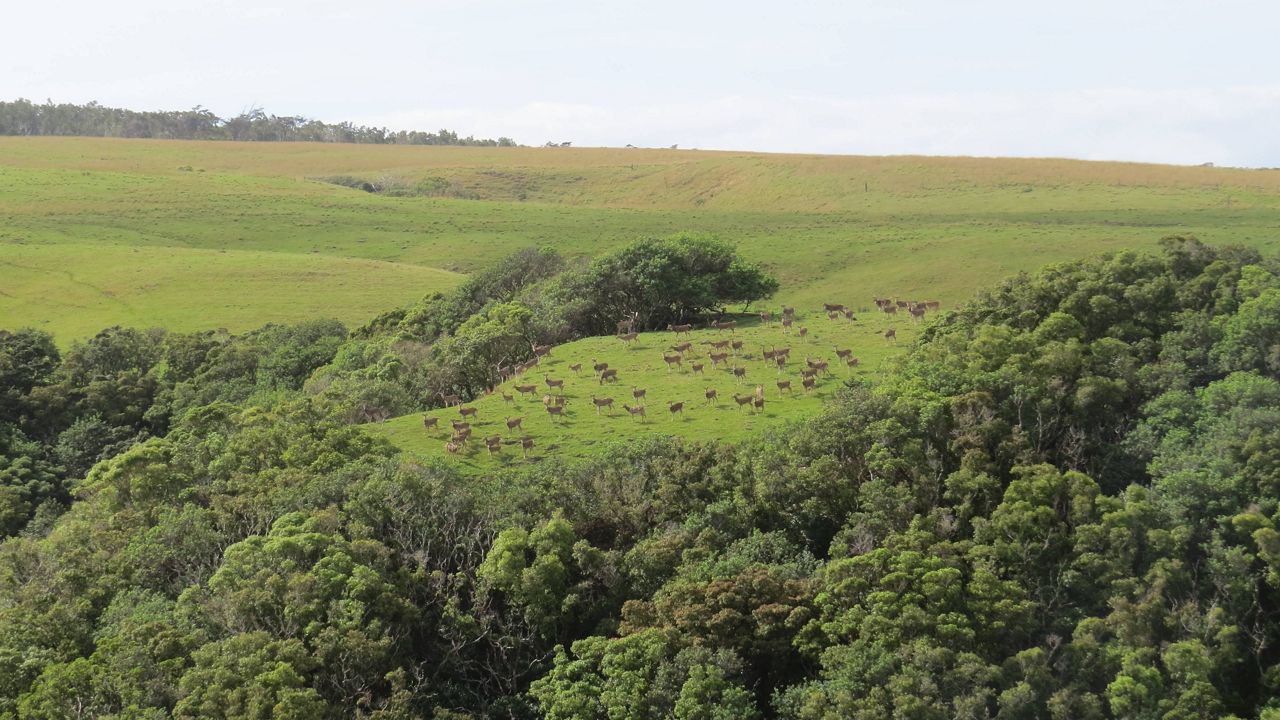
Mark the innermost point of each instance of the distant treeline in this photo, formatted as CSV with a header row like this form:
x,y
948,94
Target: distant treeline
x,y
23,117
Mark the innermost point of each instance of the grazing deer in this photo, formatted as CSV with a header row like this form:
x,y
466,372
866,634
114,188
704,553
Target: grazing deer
x,y
767,355
833,315
527,389
513,423
672,360
697,368
429,422
851,363
742,400
638,393
461,436
493,444
932,304
843,354
784,386
628,338
576,368
682,347
465,411
803,332
449,400
729,325
718,344
901,303
608,375
881,302
677,329
635,412
848,315
452,447
508,398
717,358
557,400
808,383
599,366
739,373
833,307
711,395
674,408
555,411
602,403
526,444
891,334
553,383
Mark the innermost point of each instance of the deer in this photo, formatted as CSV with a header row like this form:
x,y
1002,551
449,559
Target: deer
x,y
634,412
683,347
780,361
599,367
508,398
889,309
788,312
766,317
553,383
767,355
527,389
759,404
449,400
629,324
557,400
576,368
628,338
459,425
717,358
891,334
932,304
638,393
697,368
540,350
901,303
784,386
833,315
736,345
729,325
833,307
808,373
843,354
461,436
674,408
465,411
718,344
786,323
493,444
711,395
808,383
526,444
848,315
739,373
851,363
671,360
917,312
555,411
513,423
742,400
452,447
803,332
602,403
608,375
677,329
430,422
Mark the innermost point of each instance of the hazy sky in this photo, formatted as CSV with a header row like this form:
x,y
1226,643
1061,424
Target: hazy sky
x,y
1168,81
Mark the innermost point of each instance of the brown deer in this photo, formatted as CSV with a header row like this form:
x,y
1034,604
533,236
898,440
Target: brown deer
x,y
759,404
553,383
766,317
780,361
629,324
711,395
784,386
891,334
599,366
788,312
638,393
843,354
602,403
729,325
461,436
833,307
608,375
736,345
682,347
557,400
808,383
674,408
917,312
493,444
851,363
628,338
932,304
430,423
508,398
449,400
576,368
742,400
786,323
671,360
527,389
635,412
889,309
718,344
540,350
452,447
513,423
784,352
767,355
459,425
803,332
717,358
848,315
739,373
808,373
555,411
677,329
526,444
696,368
465,411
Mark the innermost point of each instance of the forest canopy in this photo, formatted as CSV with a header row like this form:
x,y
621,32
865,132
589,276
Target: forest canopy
x,y
1064,502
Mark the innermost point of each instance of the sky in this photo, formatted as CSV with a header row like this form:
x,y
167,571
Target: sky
x,y
1169,81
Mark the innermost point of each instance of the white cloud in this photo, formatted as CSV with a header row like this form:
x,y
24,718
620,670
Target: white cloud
x,y
1233,126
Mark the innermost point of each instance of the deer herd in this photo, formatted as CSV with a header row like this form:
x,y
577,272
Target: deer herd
x,y
726,353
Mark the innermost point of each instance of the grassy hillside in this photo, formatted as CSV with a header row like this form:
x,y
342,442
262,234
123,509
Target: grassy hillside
x,y
583,431
289,246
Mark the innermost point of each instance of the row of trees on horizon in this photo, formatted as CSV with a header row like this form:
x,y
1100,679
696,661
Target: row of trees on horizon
x,y
23,117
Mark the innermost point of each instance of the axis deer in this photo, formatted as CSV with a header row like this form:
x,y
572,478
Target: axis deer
x,y
557,400
767,355
508,398
759,404
891,334
599,366
449,400
718,344
493,444
784,386
742,400
932,304
683,347
833,315
697,368
461,436
527,389
766,317
602,403
526,444
729,325
608,375
628,338
784,352
808,373
555,411
851,363
843,354
711,395
629,324
889,309
671,360
808,383
675,408
576,368
917,312
780,361
848,315
786,323
635,412
465,411
803,332
553,383
717,358
638,393
459,425
513,423
736,345
430,423
833,307
788,312
452,447
677,329
540,350
739,373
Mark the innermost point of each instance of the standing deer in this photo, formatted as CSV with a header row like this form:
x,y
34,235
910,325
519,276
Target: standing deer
x,y
555,411
576,368
891,334
540,350
629,324
493,444
833,307
932,304
677,329
671,360
608,375
508,398
917,312
742,400
843,354
736,345
599,366
784,386
788,312
449,400
452,447
803,332
465,411
889,309
553,383
718,344
766,317
833,315
717,358
697,368
628,338
527,389
459,425
602,403
634,412
759,404
674,408
786,323
808,383
729,325
526,444
513,423
851,363
848,315
739,373
429,422
711,395
638,393
682,347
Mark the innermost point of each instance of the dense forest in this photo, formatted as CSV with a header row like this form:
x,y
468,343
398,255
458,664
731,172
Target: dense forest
x,y
23,117
1063,502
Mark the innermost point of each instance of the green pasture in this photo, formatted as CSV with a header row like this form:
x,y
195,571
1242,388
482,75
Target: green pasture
x,y
584,431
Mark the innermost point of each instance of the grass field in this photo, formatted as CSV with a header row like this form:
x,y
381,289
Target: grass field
x,y
189,235
584,432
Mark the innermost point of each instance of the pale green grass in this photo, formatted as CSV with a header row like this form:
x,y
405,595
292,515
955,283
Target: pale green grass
x,y
584,432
